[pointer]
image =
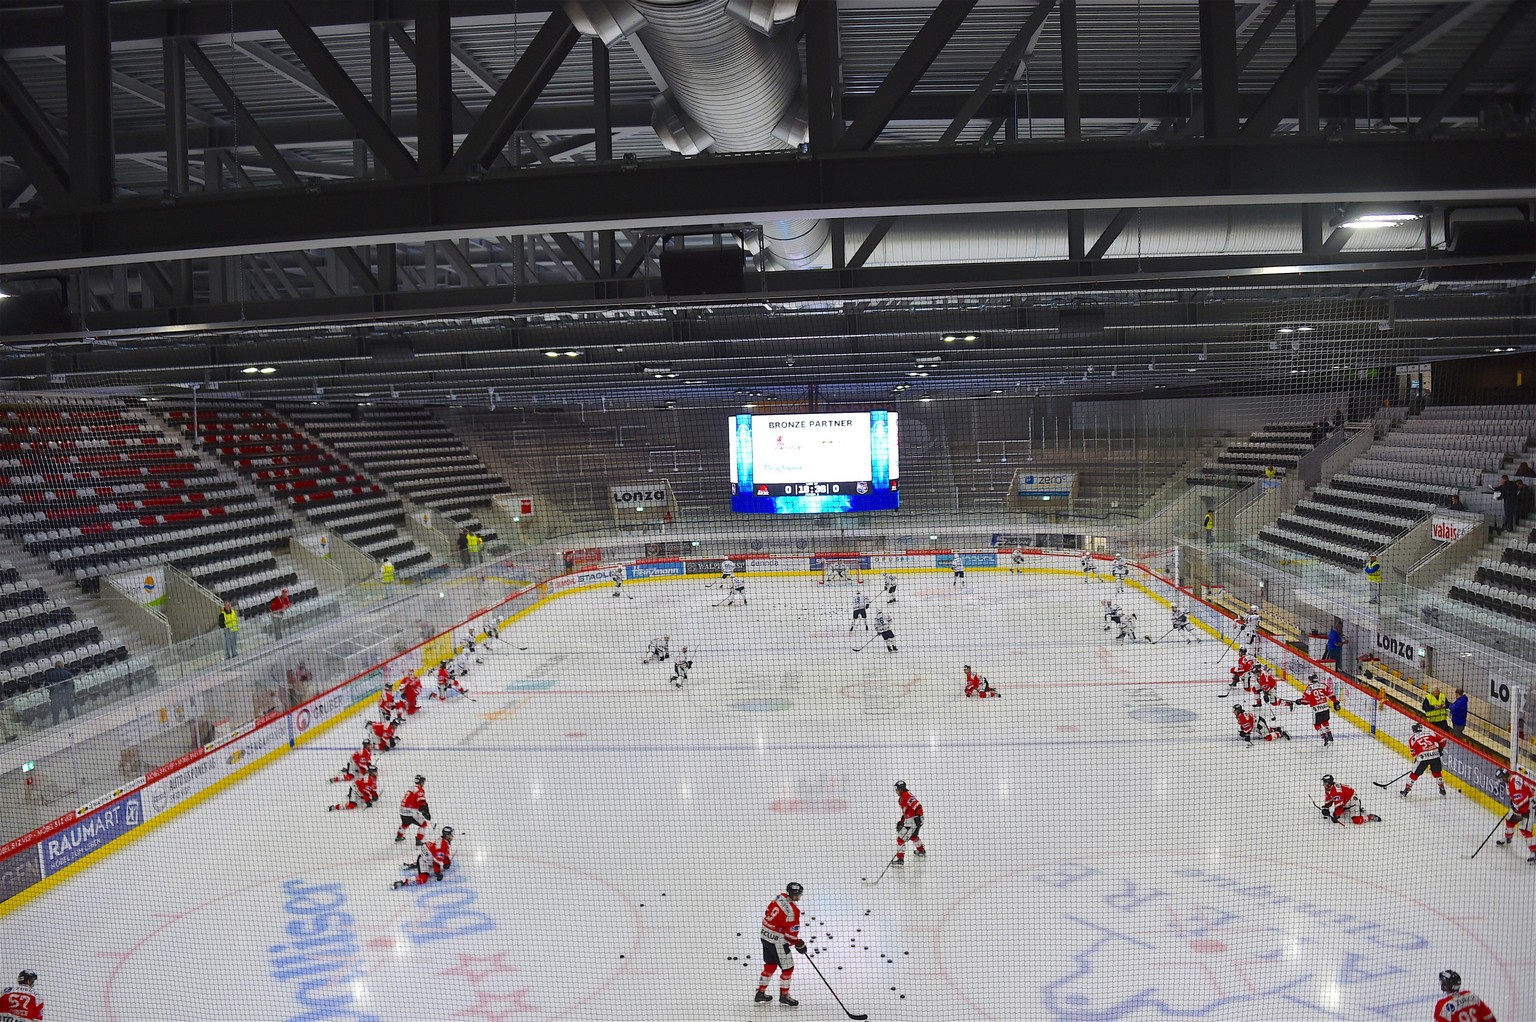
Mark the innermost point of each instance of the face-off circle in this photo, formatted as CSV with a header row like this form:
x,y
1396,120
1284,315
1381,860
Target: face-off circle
x,y
335,942
1139,939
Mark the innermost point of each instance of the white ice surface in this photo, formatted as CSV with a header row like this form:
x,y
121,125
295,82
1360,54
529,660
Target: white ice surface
x,y
1101,847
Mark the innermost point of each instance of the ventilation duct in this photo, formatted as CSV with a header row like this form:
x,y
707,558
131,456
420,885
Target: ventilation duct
x,y
608,20
731,87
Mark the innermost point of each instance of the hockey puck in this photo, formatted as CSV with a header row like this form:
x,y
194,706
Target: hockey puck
x,y
863,878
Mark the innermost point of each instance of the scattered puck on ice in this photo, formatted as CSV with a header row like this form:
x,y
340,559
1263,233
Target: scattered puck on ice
x,y
893,988
861,878
621,956
903,997
740,935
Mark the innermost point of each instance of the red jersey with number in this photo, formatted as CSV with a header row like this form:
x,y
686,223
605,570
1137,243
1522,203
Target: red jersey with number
x,y
1244,665
910,806
1463,1007
1425,746
1267,682
416,798
1245,722
361,760
441,852
411,684
367,787
1338,795
781,920
1521,793
972,683
382,730
22,1004
1319,694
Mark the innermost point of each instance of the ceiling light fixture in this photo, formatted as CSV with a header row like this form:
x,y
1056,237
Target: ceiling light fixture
x,y
267,370
949,338
572,354
551,354
1376,221
969,338
252,369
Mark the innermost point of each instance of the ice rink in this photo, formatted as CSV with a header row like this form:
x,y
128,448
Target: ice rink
x,y
1100,844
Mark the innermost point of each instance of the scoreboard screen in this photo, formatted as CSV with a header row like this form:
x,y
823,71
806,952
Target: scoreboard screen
x,y
814,464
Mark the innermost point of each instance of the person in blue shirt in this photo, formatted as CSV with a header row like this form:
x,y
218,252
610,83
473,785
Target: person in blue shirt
x,y
1459,713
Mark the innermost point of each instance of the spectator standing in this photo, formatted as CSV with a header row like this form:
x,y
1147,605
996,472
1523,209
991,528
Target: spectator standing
x,y
1338,416
61,690
1436,709
387,572
229,620
1208,524
462,543
475,542
277,608
1458,713
1509,494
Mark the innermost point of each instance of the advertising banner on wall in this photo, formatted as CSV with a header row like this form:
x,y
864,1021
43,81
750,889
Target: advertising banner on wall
x,y
145,586
517,507
1030,486
654,569
90,833
1448,526
1398,650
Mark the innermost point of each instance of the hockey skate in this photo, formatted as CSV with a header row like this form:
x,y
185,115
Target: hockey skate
x,y
921,851
1505,841
399,884
790,1002
762,997
399,838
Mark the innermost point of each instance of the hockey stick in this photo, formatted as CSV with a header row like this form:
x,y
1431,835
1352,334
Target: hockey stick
x,y
860,649
839,1000
1492,832
1160,638
1225,650
1332,818
882,873
1393,781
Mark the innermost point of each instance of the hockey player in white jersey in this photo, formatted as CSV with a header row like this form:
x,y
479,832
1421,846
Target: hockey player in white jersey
x,y
727,572
860,611
889,581
660,650
1181,624
680,668
957,565
617,577
1119,569
1016,562
884,627
1112,613
1087,565
738,591
1125,626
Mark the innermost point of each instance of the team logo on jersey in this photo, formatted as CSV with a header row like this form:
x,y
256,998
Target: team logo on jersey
x,y
1170,938
861,487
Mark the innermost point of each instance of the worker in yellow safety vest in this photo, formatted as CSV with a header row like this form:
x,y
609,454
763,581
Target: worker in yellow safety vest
x,y
387,571
474,542
1209,525
229,620
1436,709
1373,576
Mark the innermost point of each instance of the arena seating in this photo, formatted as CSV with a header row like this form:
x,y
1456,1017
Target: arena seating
x,y
410,452
272,453
1278,445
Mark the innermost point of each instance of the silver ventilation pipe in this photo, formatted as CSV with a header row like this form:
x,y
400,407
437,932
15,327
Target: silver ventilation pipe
x,y
732,86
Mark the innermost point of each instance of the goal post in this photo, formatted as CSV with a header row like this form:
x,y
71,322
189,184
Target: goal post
x,y
840,569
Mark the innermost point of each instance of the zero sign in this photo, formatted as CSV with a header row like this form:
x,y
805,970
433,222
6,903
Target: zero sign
x,y
1498,691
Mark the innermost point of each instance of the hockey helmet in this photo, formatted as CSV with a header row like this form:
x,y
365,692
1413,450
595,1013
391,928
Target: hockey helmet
x,y
901,785
794,891
1327,779
421,779
447,833
1501,774
367,743
1253,607
1450,981
372,770
1236,708
967,667
1417,728
27,977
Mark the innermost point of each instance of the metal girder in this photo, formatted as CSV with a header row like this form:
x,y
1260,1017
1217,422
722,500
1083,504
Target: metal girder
x,y
1422,35
823,82
574,255
1301,73
1218,62
460,262
472,66
538,64
343,91
636,256
283,68
1245,17
32,141
669,194
434,88
1501,31
906,73
87,66
1112,231
247,127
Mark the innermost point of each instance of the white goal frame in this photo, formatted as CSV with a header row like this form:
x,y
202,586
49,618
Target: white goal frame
x,y
834,569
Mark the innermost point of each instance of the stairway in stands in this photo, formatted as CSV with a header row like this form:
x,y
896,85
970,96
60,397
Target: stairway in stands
x,y
309,480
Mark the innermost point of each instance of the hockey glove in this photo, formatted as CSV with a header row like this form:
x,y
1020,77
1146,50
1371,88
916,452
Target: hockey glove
x,y
437,875
1338,705
800,947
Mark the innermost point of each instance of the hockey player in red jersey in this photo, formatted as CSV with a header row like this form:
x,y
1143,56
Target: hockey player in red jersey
x,y
1243,672
383,732
1522,793
391,707
781,931
414,811
1264,686
1425,747
977,687
21,1001
364,791
357,764
1339,799
1251,728
1319,695
410,691
1459,1005
433,860
447,681
909,825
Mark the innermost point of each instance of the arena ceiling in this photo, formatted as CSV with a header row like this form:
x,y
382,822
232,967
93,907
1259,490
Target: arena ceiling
x,y
420,198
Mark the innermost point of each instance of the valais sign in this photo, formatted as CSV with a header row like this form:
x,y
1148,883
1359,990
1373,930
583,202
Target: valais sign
x,y
1449,526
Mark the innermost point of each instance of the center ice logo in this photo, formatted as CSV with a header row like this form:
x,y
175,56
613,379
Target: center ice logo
x,y
1148,940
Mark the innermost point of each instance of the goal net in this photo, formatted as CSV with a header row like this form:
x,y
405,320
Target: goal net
x,y
841,571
